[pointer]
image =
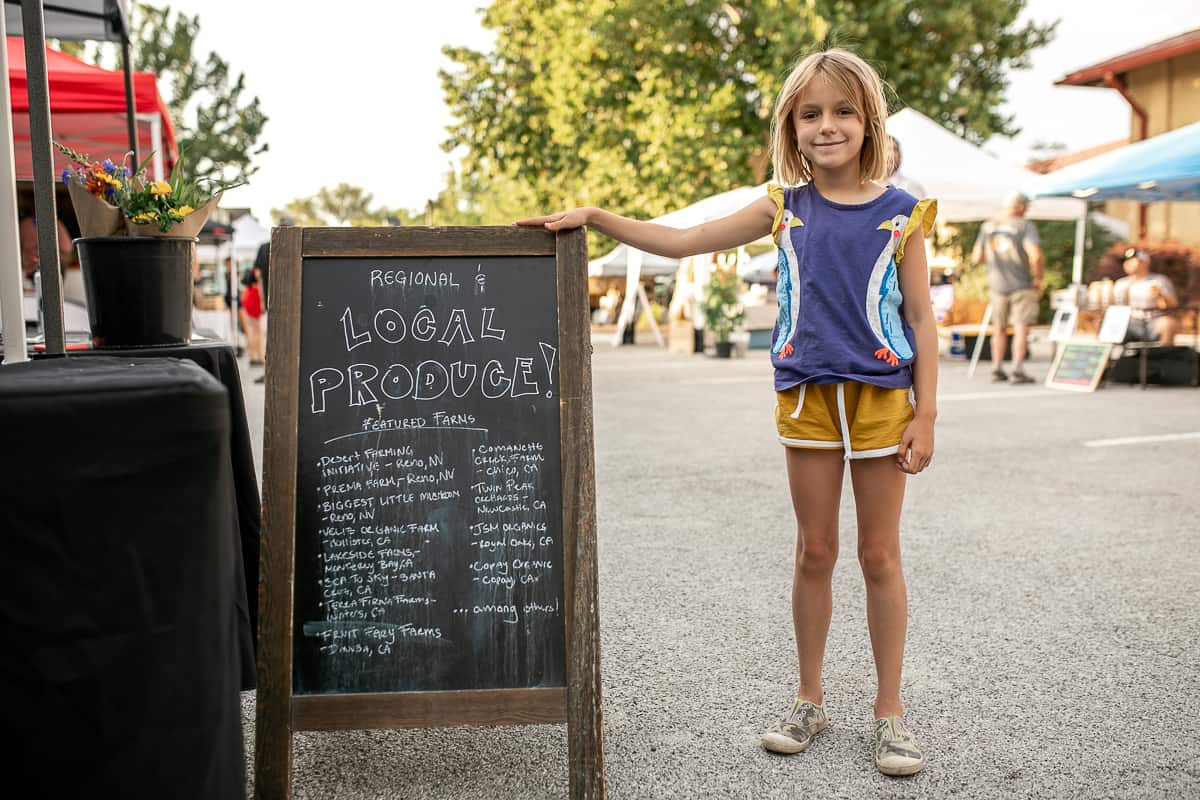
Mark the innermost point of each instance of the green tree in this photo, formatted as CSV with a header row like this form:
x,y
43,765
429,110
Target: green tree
x,y
476,201
644,107
343,204
217,129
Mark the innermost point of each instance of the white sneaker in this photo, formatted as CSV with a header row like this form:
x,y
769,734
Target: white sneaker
x,y
795,732
896,751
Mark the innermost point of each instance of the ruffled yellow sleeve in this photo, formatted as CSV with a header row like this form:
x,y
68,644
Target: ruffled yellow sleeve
x,y
775,192
923,214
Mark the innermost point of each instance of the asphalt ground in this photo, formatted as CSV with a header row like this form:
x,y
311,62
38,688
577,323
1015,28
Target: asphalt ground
x,y
1053,587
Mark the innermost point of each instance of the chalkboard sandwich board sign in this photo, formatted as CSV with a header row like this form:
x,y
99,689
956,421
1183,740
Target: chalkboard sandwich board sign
x,y
428,549
1078,365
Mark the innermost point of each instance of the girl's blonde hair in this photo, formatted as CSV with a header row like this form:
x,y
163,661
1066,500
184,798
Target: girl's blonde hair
x,y
864,91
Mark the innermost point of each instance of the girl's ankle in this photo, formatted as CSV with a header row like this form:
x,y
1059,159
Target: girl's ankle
x,y
888,709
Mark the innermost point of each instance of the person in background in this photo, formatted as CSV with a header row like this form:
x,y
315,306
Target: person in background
x,y
262,261
1013,252
30,261
897,178
262,268
262,265
250,313
1150,296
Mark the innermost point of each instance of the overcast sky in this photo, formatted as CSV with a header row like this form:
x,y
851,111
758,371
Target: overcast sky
x,y
352,92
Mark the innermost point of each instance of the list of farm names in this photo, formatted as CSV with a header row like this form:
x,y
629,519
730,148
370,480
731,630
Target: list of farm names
x,y
387,517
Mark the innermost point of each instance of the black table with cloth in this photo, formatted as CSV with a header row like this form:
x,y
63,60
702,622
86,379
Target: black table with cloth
x,y
119,557
220,361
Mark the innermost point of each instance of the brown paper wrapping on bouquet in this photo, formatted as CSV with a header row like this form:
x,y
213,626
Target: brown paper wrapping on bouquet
x,y
188,226
96,217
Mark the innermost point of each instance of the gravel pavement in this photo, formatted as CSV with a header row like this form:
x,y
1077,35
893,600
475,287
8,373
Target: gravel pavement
x,y
1052,646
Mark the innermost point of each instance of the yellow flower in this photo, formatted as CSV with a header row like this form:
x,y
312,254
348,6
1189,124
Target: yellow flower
x,y
185,210
144,217
160,188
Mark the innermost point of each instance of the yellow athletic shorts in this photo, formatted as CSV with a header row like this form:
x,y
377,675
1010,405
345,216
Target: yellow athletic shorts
x,y
861,420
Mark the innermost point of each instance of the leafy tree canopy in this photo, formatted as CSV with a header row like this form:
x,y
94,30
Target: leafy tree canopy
x,y
218,130
342,205
644,107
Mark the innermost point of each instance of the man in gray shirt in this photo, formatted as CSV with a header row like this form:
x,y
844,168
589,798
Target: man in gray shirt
x,y
1013,253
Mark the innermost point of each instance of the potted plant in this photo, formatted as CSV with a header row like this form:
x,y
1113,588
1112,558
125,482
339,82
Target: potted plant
x,y
723,310
137,248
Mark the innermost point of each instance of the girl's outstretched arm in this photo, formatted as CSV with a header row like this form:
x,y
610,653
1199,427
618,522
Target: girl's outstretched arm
x,y
916,446
751,223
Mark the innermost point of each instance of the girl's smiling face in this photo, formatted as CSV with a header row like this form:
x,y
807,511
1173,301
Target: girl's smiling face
x,y
829,131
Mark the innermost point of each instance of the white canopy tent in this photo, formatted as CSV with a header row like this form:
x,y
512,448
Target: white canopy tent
x,y
968,182
616,262
635,263
248,235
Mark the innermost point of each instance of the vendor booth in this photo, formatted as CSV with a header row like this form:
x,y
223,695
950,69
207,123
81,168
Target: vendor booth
x,y
1162,168
87,112
634,263
133,504
968,182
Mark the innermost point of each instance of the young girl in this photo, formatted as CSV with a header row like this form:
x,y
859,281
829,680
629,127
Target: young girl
x,y
854,344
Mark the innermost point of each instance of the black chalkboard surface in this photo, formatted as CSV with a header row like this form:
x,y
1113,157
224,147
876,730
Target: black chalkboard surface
x,y
428,504
428,552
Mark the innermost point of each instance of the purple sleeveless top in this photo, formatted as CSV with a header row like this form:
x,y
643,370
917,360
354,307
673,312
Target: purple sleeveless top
x,y
840,307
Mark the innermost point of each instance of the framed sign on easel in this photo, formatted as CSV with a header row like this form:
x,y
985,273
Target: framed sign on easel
x,y
1079,365
429,539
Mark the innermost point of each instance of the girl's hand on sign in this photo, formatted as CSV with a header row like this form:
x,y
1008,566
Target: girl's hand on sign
x,y
916,446
563,220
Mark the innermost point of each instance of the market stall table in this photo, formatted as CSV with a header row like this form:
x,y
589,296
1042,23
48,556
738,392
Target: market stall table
x,y
220,361
121,664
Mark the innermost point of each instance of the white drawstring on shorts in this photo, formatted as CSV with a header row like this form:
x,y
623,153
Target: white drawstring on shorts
x,y
841,400
800,402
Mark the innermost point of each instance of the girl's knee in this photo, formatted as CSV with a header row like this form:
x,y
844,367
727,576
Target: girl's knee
x,y
879,562
817,558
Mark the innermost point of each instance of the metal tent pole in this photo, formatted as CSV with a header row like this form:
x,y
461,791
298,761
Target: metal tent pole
x,y
1080,240
979,337
130,100
11,292
45,212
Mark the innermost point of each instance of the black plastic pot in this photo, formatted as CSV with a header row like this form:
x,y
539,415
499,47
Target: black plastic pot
x,y
139,289
724,349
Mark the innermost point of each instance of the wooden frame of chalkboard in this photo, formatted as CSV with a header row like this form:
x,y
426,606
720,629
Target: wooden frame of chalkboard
x,y
299,252
1079,365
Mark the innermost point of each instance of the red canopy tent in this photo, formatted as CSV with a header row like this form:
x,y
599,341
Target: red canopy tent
x,y
87,111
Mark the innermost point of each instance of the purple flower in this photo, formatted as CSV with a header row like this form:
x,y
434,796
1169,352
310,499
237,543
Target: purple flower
x,y
66,175
109,166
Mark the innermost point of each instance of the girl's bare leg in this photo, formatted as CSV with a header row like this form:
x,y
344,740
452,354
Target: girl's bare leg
x,y
815,479
878,497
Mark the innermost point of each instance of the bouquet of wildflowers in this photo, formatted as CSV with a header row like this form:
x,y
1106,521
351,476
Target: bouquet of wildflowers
x,y
103,179
177,206
97,189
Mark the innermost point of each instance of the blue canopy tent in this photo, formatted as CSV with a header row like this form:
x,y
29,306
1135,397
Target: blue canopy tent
x,y
1163,167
